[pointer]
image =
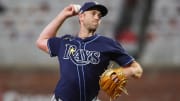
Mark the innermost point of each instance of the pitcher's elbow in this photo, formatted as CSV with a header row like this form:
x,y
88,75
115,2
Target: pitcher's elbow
x,y
38,45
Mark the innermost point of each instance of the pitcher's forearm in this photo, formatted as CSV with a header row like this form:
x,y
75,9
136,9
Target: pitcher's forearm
x,y
51,29
133,70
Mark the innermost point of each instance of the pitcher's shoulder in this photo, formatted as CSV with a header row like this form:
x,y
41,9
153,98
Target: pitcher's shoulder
x,y
67,37
106,39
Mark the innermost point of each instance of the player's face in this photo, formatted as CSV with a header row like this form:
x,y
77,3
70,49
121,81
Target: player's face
x,y
91,19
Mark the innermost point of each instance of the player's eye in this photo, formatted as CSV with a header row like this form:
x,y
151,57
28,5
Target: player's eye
x,y
96,13
99,15
93,13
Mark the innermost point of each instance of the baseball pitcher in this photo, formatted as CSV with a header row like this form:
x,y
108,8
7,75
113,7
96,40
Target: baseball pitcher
x,y
84,58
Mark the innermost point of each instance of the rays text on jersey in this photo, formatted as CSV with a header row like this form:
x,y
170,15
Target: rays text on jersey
x,y
81,56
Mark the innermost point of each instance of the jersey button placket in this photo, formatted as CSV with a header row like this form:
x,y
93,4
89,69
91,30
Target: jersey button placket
x,y
82,45
81,68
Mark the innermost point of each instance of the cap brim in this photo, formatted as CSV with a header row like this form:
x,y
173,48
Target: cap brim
x,y
101,8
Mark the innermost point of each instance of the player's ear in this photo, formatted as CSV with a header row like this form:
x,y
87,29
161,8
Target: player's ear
x,y
81,16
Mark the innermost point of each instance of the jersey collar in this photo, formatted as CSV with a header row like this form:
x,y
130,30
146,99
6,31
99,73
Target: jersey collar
x,y
87,39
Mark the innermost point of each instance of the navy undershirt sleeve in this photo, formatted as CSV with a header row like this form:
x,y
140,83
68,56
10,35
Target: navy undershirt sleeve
x,y
54,45
120,55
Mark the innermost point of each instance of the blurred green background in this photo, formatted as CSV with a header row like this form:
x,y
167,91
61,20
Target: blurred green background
x,y
148,29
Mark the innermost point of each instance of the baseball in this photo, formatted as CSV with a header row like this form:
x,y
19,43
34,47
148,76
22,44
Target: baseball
x,y
76,7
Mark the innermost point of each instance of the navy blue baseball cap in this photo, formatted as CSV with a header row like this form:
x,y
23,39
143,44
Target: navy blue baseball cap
x,y
90,5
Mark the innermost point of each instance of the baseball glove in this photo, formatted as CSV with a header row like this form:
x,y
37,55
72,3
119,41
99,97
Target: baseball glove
x,y
113,82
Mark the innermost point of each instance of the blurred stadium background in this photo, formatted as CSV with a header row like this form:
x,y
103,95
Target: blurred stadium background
x,y
148,29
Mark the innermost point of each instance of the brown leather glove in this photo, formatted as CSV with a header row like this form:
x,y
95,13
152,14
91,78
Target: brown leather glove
x,y
113,82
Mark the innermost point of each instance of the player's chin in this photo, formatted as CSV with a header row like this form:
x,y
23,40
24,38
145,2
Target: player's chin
x,y
94,27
